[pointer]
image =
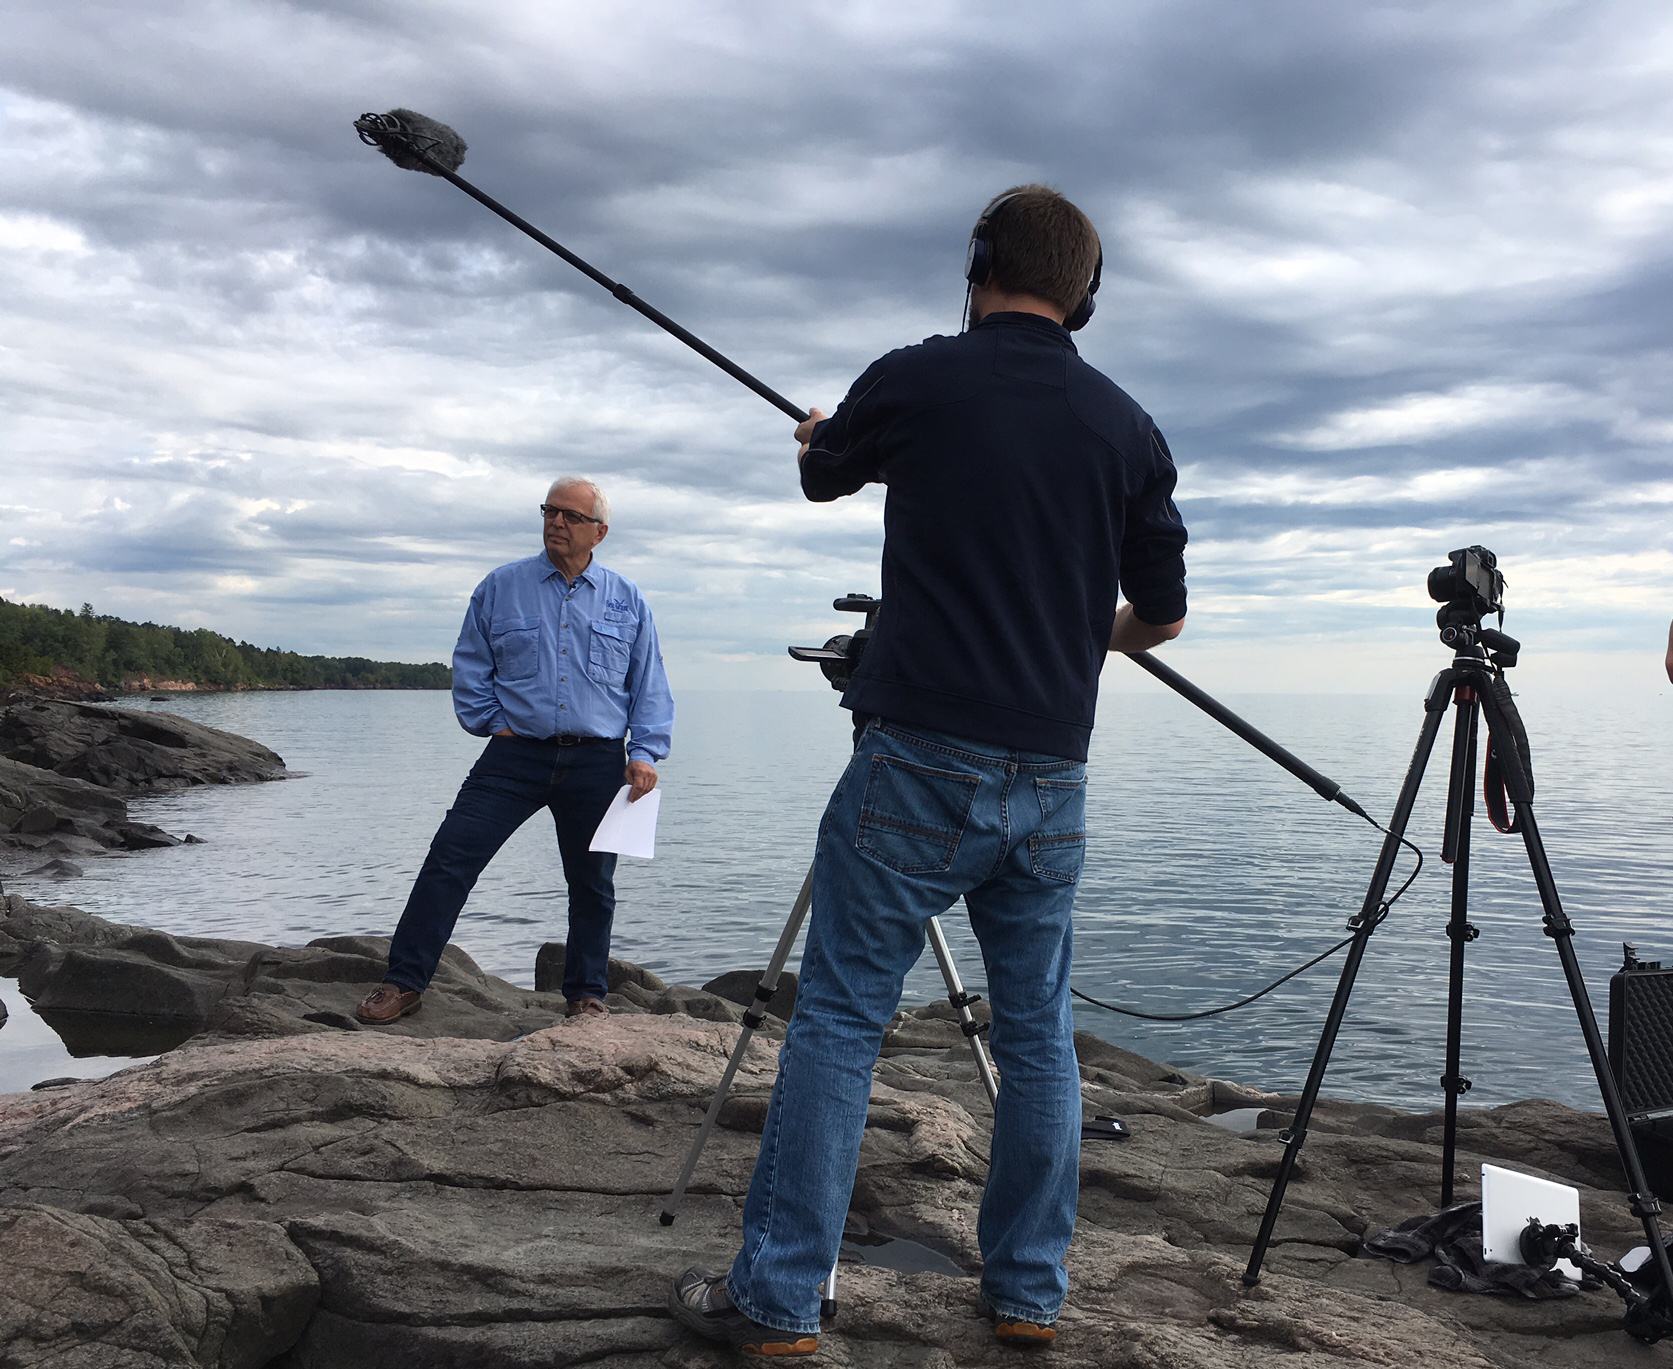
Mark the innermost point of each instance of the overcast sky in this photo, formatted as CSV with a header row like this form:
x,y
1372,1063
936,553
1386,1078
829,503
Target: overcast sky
x,y
1392,278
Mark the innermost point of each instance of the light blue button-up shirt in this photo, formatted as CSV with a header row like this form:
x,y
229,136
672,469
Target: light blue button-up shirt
x,y
543,656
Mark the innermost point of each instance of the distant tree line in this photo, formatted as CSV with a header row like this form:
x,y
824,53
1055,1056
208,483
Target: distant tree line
x,y
36,640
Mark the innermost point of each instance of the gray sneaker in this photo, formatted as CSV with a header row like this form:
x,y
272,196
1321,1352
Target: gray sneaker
x,y
700,1302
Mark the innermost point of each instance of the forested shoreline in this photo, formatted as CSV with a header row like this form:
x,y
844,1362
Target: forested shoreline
x,y
41,643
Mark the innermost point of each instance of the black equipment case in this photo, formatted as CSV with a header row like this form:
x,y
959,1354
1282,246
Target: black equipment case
x,y
1641,1059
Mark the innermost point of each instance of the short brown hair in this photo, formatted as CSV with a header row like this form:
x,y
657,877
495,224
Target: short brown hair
x,y
1042,245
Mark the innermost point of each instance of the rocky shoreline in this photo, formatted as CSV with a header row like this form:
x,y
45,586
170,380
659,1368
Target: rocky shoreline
x,y
67,770
480,1184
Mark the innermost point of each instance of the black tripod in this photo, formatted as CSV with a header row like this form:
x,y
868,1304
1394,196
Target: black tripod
x,y
1474,683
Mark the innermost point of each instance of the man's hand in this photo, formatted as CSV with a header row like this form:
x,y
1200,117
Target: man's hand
x,y
642,776
804,431
1132,633
505,732
1670,651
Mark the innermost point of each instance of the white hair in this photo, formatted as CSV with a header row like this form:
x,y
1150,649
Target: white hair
x,y
601,501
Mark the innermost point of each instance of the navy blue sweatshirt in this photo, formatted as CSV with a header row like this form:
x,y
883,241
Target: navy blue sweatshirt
x,y
1023,487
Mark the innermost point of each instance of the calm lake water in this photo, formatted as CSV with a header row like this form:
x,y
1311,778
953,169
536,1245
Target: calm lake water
x,y
1210,871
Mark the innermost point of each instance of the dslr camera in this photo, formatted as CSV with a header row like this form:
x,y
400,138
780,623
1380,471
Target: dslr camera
x,y
1468,588
1471,580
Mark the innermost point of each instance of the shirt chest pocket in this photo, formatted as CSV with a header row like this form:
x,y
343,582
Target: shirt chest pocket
x,y
516,645
610,650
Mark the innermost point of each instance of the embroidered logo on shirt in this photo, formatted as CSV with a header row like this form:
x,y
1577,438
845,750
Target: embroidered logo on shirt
x,y
619,605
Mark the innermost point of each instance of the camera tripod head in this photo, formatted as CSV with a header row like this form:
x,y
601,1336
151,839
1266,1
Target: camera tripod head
x,y
1468,588
840,657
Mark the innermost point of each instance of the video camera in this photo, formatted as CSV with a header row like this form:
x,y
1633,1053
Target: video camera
x,y
840,657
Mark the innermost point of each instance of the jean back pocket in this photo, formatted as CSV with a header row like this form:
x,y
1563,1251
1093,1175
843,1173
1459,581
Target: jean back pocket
x,y
1057,847
913,816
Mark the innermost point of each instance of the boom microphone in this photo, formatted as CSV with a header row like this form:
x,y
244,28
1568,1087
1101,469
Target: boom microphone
x,y
416,143
402,135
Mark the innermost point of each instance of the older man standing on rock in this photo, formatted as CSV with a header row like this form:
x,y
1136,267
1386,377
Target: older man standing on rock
x,y
558,666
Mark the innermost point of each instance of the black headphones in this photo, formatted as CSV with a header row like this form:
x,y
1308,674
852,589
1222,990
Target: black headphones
x,y
978,264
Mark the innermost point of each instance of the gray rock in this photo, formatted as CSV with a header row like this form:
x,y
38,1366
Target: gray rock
x,y
482,1203
56,868
129,751
136,972
550,959
48,814
110,989
142,836
23,924
34,800
37,819
89,1291
65,767
738,986
390,1197
282,990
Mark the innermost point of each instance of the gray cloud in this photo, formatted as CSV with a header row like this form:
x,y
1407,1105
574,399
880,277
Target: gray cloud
x,y
1393,278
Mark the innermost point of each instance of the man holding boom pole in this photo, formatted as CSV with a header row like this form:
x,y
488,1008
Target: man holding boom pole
x,y
1026,493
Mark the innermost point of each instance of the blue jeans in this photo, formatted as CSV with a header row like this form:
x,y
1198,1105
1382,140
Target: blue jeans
x,y
513,779
917,820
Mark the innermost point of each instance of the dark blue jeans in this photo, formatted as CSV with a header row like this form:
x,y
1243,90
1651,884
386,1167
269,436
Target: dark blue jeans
x,y
513,779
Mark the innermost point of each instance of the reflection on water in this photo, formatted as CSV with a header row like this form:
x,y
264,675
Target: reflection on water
x,y
87,1034
898,1253
31,1051
1210,872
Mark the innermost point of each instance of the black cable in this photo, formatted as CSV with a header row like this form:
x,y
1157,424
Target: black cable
x,y
1381,913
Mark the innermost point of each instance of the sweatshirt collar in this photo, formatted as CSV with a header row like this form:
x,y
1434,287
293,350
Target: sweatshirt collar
x,y
1018,319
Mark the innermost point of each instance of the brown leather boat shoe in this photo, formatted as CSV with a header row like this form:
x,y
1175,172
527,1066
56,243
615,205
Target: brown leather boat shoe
x,y
387,1003
586,1007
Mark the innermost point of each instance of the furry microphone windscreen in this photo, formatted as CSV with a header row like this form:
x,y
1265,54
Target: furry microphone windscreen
x,y
401,131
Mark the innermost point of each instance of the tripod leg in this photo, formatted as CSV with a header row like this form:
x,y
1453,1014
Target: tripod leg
x,y
1363,923
1645,1205
961,1002
1455,850
752,1021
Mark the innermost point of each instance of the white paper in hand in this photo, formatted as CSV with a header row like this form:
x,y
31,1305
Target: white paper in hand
x,y
629,829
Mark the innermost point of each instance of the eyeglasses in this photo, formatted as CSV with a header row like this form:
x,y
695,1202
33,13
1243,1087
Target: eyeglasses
x,y
570,516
